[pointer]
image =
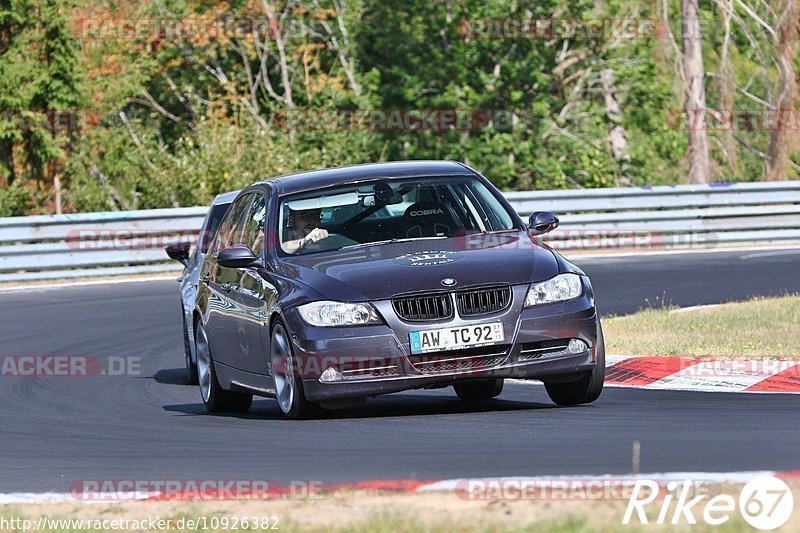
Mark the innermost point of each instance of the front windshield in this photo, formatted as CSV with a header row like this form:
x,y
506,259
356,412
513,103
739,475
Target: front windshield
x,y
382,211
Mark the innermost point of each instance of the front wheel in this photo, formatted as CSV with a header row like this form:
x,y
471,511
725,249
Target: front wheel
x,y
288,378
588,387
215,398
473,391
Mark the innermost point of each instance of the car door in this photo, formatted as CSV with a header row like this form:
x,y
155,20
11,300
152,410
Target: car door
x,y
222,301
255,295
191,276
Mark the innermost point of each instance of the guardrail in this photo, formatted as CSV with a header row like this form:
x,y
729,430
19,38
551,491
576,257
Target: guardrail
x,y
94,244
669,216
132,242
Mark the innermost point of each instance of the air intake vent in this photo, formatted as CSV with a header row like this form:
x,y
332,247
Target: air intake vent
x,y
425,307
537,350
457,361
482,301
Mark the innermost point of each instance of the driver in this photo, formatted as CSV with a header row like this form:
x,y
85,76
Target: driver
x,y
303,228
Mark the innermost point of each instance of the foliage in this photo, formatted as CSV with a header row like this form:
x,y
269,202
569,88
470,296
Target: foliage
x,y
40,92
177,116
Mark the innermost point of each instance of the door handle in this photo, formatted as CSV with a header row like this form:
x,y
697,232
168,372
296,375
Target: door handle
x,y
205,279
227,287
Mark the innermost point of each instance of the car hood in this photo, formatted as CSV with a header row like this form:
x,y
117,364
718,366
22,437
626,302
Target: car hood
x,y
383,271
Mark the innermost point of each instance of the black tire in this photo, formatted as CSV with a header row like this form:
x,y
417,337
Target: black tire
x,y
475,391
191,366
217,399
587,387
294,406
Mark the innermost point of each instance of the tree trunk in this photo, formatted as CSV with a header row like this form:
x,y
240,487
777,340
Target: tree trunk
x,y
726,87
57,185
617,137
695,106
782,135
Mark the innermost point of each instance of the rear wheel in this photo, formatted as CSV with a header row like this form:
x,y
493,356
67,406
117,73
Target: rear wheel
x,y
215,398
473,391
588,386
288,380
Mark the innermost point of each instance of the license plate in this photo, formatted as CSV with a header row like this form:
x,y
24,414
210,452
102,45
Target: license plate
x,y
456,338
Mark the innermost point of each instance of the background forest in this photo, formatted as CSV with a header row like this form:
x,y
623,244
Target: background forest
x,y
108,105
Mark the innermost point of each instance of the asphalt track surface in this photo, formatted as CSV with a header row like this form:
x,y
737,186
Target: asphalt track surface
x,y
56,430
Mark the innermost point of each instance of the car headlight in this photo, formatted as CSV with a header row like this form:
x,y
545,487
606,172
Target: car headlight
x,y
338,314
558,289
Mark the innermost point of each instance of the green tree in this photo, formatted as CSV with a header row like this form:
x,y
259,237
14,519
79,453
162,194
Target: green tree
x,y
41,93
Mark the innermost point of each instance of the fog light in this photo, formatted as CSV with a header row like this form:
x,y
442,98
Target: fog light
x,y
330,374
577,346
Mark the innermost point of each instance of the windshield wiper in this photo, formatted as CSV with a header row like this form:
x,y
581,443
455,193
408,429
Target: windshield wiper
x,y
388,241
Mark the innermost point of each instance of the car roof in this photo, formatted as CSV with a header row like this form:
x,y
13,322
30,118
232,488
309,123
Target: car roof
x,y
225,197
315,179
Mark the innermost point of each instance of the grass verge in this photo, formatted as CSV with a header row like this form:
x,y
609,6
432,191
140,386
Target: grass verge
x,y
757,328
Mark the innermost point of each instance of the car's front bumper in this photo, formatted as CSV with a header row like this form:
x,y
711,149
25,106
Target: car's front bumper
x,y
376,360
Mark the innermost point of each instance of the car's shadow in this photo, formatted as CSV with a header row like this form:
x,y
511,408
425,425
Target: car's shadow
x,y
405,404
171,376
402,405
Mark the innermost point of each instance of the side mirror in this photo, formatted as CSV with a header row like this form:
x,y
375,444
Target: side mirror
x,y
179,251
237,256
542,222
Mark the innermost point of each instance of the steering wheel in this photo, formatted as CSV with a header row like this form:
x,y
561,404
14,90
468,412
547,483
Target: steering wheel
x,y
333,241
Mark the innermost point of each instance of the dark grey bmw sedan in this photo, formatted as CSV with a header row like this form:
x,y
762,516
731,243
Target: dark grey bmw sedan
x,y
324,288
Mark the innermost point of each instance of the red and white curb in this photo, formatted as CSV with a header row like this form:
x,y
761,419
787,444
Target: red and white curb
x,y
411,486
709,478
687,374
764,376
